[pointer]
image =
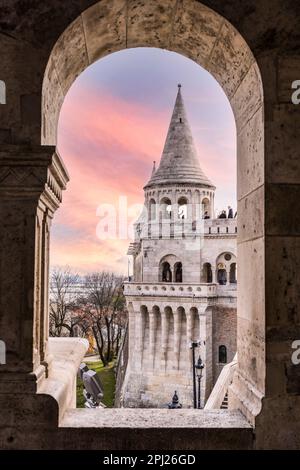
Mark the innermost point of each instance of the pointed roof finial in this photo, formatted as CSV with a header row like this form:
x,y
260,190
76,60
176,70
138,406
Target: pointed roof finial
x,y
179,161
154,167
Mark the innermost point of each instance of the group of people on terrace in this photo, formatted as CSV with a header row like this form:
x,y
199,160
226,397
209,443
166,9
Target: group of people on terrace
x,y
222,214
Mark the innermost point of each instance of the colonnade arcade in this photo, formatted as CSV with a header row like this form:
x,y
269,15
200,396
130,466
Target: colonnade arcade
x,y
161,335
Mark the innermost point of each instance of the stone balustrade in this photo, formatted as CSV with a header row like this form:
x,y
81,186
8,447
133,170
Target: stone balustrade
x,y
222,227
221,386
169,289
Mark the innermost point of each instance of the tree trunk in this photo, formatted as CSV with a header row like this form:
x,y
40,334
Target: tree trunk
x,y
108,351
99,344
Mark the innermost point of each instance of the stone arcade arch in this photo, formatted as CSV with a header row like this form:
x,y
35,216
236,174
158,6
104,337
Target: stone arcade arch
x,y
213,43
265,233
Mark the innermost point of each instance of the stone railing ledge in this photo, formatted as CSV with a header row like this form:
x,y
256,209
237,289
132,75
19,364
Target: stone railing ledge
x,y
67,354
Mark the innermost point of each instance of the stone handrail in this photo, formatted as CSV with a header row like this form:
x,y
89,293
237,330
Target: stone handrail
x,y
67,354
220,389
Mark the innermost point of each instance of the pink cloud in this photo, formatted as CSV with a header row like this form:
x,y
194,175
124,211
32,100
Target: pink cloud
x,y
108,146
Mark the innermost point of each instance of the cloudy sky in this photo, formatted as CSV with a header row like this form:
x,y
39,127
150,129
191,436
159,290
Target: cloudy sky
x,y
112,126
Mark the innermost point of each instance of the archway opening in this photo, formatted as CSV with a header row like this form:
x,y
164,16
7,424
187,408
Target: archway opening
x,y
178,272
166,272
234,79
207,273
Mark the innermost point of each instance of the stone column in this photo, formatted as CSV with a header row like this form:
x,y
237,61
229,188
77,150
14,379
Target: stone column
x,y
189,327
164,338
152,331
131,335
31,184
139,339
228,276
189,333
177,334
205,326
214,274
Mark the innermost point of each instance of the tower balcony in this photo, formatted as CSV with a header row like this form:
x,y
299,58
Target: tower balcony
x,y
220,227
167,289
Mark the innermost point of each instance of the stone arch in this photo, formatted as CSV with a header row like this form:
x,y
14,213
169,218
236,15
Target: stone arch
x,y
152,209
206,37
223,265
178,272
183,205
165,208
166,265
207,275
206,207
232,274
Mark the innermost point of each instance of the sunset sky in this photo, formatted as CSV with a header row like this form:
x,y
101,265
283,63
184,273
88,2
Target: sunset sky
x,y
112,126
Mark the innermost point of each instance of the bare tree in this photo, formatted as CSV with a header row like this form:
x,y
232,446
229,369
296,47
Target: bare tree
x,y
104,304
64,313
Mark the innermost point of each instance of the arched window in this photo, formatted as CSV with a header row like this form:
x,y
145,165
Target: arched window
x,y
222,277
178,272
232,276
166,272
207,273
222,354
206,208
152,209
166,208
182,208
2,92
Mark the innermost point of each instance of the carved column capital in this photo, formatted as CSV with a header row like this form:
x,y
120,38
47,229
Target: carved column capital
x,y
31,174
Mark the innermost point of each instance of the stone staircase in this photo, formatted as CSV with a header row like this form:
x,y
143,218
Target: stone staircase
x,y
224,405
218,398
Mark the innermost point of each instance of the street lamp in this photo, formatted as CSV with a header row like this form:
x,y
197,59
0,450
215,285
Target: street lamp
x,y
194,345
175,402
199,371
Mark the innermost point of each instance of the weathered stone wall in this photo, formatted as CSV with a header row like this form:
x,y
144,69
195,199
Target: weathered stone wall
x,y
224,333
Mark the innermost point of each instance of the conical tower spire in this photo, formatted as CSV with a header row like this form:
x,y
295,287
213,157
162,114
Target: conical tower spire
x,y
179,162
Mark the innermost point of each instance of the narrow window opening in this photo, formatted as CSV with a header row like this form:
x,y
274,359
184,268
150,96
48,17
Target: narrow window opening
x,y
222,354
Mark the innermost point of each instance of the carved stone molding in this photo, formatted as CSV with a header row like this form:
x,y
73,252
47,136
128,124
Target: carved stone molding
x,y
32,173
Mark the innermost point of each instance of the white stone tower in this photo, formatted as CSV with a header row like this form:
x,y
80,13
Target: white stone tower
x,y
170,298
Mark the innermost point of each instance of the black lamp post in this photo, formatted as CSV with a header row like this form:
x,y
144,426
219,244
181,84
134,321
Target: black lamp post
x,y
199,370
175,402
194,345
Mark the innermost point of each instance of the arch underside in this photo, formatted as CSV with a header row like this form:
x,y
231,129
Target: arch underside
x,y
186,27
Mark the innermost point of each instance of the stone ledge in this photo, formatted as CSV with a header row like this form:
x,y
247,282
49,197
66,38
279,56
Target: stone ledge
x,y
66,355
138,418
